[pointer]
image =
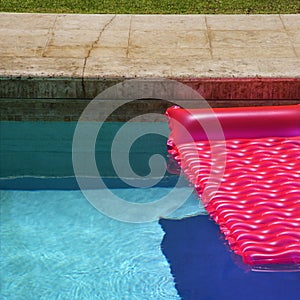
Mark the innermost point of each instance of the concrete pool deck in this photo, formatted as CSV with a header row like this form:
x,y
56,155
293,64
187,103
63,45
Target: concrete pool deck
x,y
69,56
56,45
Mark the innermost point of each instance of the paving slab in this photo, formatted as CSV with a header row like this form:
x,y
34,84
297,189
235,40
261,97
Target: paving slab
x,y
109,52
250,38
168,22
50,67
245,22
297,50
69,22
27,21
119,22
95,46
193,54
253,52
291,22
113,38
294,37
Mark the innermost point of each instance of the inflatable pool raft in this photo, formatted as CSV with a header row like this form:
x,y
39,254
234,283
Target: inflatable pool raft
x,y
244,164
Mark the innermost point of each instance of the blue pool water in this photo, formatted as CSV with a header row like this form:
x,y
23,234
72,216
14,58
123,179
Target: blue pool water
x,y
55,245
44,149
205,268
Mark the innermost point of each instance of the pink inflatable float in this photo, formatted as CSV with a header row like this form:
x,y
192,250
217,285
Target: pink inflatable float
x,y
244,164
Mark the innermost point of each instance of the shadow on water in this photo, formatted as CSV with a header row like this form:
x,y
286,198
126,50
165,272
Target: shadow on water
x,y
204,268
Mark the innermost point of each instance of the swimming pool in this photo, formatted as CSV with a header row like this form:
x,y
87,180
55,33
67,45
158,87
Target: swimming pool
x,y
55,245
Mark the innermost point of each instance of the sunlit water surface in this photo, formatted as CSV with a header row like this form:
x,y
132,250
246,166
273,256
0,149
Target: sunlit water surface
x,y
56,245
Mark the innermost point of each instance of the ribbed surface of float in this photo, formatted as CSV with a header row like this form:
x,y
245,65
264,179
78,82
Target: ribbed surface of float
x,y
254,196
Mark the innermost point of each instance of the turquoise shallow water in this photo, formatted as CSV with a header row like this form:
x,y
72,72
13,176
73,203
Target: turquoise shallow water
x,y
55,245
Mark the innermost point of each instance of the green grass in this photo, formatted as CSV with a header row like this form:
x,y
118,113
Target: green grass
x,y
153,6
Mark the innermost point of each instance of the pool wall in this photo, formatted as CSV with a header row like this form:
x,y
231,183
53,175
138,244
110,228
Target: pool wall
x,y
64,99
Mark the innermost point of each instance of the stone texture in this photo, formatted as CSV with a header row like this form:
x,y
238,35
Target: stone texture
x,y
124,67
253,52
120,22
169,39
27,21
39,87
44,67
12,38
160,67
249,38
244,22
195,53
81,22
109,52
68,51
291,22
90,52
20,51
113,38
288,67
168,22
295,37
81,38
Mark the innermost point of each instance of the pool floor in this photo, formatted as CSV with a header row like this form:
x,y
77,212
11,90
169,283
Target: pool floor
x,y
55,245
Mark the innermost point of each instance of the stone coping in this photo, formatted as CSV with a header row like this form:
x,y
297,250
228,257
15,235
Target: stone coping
x,y
129,46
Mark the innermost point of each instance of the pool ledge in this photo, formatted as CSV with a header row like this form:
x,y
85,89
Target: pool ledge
x,y
77,56
118,46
